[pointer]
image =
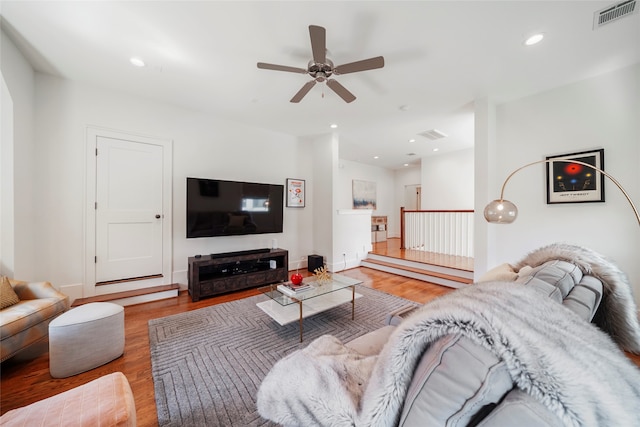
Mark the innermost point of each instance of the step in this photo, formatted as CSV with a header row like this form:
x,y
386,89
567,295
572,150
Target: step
x,y
137,296
425,265
440,275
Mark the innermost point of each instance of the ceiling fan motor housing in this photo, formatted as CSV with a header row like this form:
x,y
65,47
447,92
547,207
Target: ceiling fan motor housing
x,y
319,70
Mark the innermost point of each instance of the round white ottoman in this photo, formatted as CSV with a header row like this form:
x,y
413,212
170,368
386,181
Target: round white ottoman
x,y
85,337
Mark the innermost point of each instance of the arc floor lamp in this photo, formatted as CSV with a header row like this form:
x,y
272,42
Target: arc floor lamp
x,y
503,211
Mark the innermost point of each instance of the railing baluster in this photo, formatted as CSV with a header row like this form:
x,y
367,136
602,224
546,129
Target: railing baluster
x,y
446,232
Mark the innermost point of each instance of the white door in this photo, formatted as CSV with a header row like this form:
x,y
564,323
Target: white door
x,y
129,214
412,196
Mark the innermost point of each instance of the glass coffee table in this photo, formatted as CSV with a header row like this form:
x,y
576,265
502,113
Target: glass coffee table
x,y
285,309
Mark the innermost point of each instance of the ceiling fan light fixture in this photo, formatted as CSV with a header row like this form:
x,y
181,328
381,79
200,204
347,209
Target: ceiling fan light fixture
x,y
534,39
137,61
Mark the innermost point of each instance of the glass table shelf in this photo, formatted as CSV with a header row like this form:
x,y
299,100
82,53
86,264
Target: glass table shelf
x,y
321,297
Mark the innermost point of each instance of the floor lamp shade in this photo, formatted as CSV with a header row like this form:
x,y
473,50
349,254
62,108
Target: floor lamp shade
x,y
500,212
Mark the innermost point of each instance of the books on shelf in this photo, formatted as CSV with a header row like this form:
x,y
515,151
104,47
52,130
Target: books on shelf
x,y
290,290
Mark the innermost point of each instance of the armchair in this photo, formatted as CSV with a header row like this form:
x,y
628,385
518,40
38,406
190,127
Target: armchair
x,y
27,322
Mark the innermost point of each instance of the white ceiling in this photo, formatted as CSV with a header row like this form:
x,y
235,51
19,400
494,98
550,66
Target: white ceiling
x,y
440,56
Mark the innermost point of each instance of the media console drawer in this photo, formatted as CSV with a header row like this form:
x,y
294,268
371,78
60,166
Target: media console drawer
x,y
220,273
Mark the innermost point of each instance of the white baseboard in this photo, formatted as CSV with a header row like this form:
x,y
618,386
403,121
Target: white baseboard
x,y
74,291
156,296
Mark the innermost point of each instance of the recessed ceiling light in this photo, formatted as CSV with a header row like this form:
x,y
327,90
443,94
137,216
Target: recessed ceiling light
x,y
412,140
137,62
376,157
406,164
534,39
333,126
435,149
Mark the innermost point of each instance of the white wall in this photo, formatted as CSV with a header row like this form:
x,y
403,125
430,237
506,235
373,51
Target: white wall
x,y
352,234
18,242
484,179
384,179
403,178
6,180
322,149
602,112
385,186
203,147
448,181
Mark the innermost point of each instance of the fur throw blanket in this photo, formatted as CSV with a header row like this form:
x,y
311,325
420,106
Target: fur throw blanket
x,y
567,364
617,314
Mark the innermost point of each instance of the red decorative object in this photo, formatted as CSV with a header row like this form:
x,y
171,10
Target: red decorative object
x,y
296,278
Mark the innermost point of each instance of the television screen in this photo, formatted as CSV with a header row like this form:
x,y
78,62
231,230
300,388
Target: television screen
x,y
229,208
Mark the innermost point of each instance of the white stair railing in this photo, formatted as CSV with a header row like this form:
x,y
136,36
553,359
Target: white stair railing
x,y
445,232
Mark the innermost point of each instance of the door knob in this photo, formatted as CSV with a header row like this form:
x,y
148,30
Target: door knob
x,y
157,216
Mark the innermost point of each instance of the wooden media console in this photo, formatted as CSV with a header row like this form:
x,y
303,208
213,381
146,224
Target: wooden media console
x,y
232,271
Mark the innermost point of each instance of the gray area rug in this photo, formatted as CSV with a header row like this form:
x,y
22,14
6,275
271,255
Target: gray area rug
x,y
207,364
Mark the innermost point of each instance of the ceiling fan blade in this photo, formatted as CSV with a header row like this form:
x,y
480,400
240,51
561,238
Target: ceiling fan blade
x,y
341,90
364,65
302,92
318,43
275,67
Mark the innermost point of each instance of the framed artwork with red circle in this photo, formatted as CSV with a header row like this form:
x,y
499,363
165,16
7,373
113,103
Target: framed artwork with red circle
x,y
575,177
295,193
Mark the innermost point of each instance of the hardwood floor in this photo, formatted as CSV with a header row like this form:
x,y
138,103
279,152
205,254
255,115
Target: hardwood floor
x,y
25,379
391,248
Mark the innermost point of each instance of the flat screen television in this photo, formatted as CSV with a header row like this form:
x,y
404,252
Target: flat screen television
x,y
230,208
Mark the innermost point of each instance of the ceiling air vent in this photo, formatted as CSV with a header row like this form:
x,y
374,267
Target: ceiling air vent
x,y
613,13
433,134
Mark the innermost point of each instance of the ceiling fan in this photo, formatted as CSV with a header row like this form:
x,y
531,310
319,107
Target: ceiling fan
x,y
321,68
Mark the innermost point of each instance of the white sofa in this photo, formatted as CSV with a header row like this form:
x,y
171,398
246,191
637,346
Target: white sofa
x,y
27,322
501,353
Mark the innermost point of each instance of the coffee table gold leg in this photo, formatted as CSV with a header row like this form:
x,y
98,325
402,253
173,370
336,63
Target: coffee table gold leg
x,y
300,304
353,303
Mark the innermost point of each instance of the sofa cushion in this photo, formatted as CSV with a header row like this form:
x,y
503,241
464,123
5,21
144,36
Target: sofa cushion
x,y
8,296
454,380
520,409
371,344
398,315
581,300
560,274
502,273
28,313
589,299
565,283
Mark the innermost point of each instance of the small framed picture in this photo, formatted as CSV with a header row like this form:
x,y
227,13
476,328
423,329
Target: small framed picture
x,y
364,194
571,179
295,193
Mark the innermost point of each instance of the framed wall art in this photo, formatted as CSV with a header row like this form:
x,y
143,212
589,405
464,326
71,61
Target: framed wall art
x,y
364,194
570,182
295,193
